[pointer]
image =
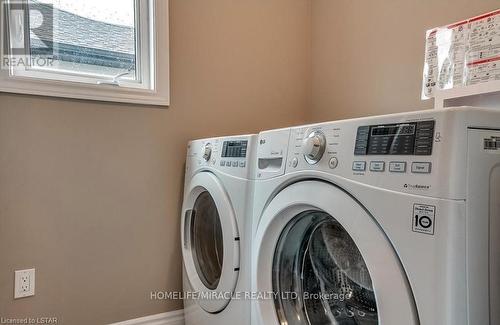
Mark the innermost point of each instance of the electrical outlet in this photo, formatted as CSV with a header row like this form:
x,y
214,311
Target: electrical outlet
x,y
24,283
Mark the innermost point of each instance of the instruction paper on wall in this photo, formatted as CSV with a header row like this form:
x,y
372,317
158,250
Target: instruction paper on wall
x,y
461,54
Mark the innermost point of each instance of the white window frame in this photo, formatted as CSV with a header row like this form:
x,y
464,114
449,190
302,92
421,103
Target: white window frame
x,y
153,68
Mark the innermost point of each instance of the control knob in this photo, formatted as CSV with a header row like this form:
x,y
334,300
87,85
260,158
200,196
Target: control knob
x,y
313,147
207,152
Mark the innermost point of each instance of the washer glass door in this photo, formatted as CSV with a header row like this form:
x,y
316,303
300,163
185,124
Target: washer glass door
x,y
327,261
318,261
206,240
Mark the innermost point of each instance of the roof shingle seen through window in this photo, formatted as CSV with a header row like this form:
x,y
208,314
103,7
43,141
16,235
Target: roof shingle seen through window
x,y
82,40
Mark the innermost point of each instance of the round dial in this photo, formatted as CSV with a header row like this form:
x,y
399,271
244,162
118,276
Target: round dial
x,y
207,152
313,147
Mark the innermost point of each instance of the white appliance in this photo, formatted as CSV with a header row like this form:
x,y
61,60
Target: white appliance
x,y
385,220
216,230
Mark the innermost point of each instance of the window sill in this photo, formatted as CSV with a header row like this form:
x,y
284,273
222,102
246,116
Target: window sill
x,y
106,93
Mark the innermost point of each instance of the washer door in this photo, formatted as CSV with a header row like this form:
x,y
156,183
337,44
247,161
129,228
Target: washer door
x,y
327,261
210,242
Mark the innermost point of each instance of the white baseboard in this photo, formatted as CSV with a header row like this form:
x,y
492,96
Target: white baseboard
x,y
171,318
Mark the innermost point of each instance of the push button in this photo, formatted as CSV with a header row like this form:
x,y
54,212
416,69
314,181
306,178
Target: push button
x,y
235,164
222,163
397,167
377,166
359,166
421,168
295,162
333,163
243,164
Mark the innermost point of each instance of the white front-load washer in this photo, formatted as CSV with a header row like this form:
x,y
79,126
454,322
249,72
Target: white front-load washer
x,y
390,220
216,230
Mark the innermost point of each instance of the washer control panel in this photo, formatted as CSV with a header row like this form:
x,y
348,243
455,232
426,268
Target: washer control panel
x,y
396,139
398,155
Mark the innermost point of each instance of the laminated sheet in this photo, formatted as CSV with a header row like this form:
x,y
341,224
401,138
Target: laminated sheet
x,y
461,54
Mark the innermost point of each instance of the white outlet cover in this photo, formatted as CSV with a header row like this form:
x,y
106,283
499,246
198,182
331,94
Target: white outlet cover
x,y
24,283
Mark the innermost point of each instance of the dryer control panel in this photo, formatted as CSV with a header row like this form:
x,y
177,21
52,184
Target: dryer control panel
x,y
231,155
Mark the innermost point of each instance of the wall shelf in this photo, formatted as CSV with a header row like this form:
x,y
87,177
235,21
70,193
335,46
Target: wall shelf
x,y
484,95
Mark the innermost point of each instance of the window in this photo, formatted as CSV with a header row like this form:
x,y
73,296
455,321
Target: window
x,y
113,50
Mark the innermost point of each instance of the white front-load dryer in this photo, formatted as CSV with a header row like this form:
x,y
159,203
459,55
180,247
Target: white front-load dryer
x,y
385,220
216,230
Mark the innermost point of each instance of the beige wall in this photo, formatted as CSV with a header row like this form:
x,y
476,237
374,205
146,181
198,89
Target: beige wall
x,y
367,55
90,192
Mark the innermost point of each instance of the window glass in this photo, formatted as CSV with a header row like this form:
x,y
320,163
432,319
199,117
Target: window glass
x,y
86,37
207,241
321,276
